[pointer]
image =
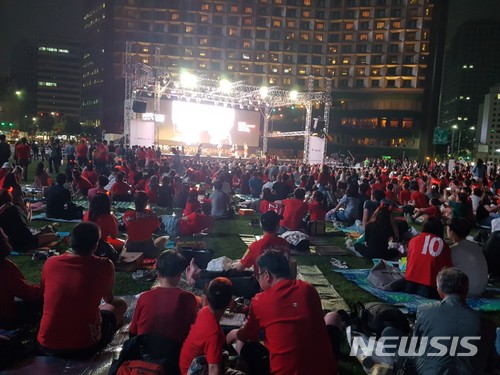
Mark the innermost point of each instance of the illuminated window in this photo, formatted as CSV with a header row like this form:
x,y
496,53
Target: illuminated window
x,y
145,61
302,71
246,44
304,36
245,67
318,37
375,72
290,24
347,36
320,26
232,32
203,54
365,13
287,81
203,18
203,41
276,23
363,36
349,25
346,60
188,51
380,25
272,80
219,8
202,65
379,36
332,49
47,84
393,123
205,6
234,9
423,48
248,10
344,71
274,57
306,13
360,71
396,25
307,2
230,66
189,29
247,21
290,36
174,16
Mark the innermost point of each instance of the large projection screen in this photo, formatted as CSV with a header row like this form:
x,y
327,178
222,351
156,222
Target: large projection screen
x,y
194,123
142,133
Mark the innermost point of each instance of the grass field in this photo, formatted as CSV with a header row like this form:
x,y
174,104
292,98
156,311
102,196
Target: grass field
x,y
226,241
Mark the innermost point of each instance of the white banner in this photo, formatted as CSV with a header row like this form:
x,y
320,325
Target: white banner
x,y
316,150
142,133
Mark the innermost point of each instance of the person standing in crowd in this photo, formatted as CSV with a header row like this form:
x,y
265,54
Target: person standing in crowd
x,y
77,325
5,151
82,152
55,156
23,156
70,150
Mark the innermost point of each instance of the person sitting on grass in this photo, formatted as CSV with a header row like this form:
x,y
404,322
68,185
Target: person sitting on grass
x,y
433,210
166,310
80,185
102,181
220,201
243,283
165,193
21,301
192,203
15,224
140,224
74,322
350,201
197,222
295,209
42,178
202,352
59,205
296,340
100,213
120,189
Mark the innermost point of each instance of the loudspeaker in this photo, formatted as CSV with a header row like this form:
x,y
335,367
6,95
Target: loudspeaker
x,y
139,106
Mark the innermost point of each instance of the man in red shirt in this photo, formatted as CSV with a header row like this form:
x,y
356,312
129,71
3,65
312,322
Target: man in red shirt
x,y
166,310
74,322
427,255
295,210
120,189
197,222
140,224
23,156
290,313
80,184
206,339
82,152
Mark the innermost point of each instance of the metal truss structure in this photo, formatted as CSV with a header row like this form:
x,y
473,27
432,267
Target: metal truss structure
x,y
142,80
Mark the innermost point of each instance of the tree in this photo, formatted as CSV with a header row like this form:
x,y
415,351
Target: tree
x,y
72,126
46,123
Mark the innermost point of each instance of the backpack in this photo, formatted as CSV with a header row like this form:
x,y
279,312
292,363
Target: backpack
x,y
386,277
371,318
138,367
298,241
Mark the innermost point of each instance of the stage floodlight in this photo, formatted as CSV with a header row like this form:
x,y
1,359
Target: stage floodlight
x,y
225,86
188,80
294,94
263,92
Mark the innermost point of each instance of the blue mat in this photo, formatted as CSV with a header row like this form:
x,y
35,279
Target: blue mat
x,y
412,301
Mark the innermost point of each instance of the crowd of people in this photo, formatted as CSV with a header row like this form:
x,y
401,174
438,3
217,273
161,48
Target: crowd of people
x,y
378,198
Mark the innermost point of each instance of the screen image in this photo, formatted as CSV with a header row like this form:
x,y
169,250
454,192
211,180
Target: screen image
x,y
195,123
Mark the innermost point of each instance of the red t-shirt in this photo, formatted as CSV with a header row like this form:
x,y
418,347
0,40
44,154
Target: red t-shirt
x,y
317,211
294,212
265,206
404,196
427,255
291,315
433,211
92,176
14,285
73,288
83,184
120,188
107,223
257,248
23,151
420,199
140,225
205,338
82,150
141,155
168,312
195,223
378,186
97,190
191,207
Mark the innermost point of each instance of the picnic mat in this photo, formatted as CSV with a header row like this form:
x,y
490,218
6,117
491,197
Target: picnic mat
x,y
43,216
97,365
323,246
330,298
412,301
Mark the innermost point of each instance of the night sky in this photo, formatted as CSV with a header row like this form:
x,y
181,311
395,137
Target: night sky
x,y
31,18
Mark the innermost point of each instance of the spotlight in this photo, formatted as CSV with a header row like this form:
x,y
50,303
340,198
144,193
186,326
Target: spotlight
x,y
294,94
264,91
188,80
225,86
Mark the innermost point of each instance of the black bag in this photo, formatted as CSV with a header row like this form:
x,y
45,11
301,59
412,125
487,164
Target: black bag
x,y
316,228
104,249
386,277
371,318
201,256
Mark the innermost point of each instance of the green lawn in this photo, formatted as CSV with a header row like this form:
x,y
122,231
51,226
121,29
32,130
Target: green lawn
x,y
225,241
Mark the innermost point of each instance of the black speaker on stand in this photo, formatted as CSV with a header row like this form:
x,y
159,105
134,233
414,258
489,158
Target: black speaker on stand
x,y
139,106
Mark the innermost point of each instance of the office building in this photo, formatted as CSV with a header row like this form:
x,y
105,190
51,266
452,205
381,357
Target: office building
x,y
488,134
376,51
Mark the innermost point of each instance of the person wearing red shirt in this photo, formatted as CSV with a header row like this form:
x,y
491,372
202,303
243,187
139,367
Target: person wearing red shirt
x,y
316,207
120,189
80,184
432,211
206,338
140,225
90,174
100,213
290,313
82,152
295,210
23,156
13,314
192,203
166,310
197,222
102,181
151,188
101,155
74,322
427,255
405,194
141,157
